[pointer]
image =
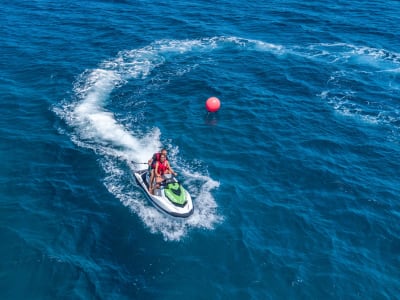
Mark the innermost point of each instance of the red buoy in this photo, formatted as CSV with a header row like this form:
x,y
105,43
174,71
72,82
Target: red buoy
x,y
213,104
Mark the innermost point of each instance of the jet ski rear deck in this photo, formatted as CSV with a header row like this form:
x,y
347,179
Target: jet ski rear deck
x,y
182,207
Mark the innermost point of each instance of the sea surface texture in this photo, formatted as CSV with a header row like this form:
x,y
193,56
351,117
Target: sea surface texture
x,y
295,180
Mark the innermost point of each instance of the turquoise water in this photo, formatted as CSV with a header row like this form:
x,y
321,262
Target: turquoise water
x,y
294,180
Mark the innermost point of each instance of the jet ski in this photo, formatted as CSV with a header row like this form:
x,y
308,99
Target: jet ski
x,y
170,197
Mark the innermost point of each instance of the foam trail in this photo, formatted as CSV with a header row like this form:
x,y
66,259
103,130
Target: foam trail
x,y
97,124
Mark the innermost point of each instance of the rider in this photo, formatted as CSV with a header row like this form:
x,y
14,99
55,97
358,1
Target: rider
x,y
152,165
162,167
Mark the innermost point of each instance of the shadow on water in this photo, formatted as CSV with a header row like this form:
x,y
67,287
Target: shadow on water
x,y
211,119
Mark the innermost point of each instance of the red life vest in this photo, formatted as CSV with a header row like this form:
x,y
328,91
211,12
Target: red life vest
x,y
162,167
156,158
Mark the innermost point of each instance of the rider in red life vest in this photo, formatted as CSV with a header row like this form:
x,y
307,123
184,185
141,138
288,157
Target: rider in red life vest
x,y
162,167
152,165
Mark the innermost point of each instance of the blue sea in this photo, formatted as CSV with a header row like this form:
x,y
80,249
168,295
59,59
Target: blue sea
x,y
295,180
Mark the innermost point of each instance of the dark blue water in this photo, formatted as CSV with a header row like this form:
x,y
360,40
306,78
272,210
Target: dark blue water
x,y
295,180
